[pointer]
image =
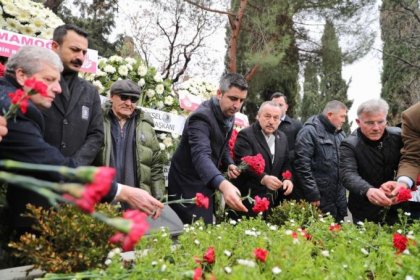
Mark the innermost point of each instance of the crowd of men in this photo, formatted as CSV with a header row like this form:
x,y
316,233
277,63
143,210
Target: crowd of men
x,y
69,127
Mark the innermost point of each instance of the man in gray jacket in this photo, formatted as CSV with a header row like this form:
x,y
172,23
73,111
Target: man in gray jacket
x,y
75,119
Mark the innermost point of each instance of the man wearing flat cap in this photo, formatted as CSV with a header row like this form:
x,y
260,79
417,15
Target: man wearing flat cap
x,y
130,143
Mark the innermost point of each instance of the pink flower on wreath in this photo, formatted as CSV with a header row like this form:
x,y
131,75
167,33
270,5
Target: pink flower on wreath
x,y
201,200
96,190
261,204
209,256
287,175
138,228
400,242
403,195
260,254
255,163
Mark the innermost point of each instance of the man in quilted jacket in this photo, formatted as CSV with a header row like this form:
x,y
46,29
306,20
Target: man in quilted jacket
x,y
130,143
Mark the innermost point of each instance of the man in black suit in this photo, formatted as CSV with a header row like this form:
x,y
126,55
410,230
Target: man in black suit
x,y
203,155
290,127
263,137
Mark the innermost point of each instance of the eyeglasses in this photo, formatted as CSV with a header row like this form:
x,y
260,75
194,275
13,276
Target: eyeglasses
x,y
133,99
372,123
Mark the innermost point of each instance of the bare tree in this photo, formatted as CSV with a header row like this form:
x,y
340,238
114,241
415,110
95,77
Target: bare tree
x,y
174,35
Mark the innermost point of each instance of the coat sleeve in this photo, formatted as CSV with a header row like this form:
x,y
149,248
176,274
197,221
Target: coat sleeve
x,y
201,153
24,142
349,176
410,154
304,151
87,153
156,176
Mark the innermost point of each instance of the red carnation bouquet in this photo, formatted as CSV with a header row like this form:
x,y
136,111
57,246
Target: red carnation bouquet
x,y
255,164
20,99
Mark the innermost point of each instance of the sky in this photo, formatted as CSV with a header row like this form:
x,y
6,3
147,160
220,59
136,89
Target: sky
x,y
364,73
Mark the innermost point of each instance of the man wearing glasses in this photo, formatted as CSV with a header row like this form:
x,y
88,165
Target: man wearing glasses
x,y
130,143
369,158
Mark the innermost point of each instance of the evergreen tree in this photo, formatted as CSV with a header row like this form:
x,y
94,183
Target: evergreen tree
x,y
311,101
400,25
333,87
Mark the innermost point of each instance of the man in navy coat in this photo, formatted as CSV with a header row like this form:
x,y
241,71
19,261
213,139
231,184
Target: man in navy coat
x,y
202,154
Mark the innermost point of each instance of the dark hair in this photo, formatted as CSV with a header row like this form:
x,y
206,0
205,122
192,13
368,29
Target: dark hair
x,y
278,95
232,80
61,31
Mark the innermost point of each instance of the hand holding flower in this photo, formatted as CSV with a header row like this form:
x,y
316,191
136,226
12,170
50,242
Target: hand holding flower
x,y
233,171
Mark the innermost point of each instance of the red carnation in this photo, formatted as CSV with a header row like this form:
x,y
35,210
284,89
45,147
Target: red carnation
x,y
36,87
294,235
335,227
287,175
404,194
232,141
260,254
19,99
261,204
209,256
96,190
306,235
201,200
138,228
400,242
255,163
198,274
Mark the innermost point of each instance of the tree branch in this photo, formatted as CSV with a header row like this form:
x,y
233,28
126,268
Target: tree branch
x,y
209,9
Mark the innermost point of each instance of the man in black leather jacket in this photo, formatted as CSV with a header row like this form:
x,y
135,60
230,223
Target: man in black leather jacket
x,y
369,157
316,160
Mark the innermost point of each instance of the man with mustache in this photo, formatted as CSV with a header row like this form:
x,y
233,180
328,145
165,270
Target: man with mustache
x,y
263,137
24,140
202,153
75,119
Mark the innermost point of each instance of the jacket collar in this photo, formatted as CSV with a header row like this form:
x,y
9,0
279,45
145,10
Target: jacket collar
x,y
327,124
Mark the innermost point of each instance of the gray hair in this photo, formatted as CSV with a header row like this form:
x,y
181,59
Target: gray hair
x,y
334,106
232,80
269,103
373,106
31,58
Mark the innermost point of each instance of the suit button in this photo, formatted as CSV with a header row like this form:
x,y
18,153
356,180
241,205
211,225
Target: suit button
x,y
63,145
65,122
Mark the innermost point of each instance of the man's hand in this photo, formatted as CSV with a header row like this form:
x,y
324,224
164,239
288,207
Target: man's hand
x,y
388,187
141,200
233,171
3,127
232,196
271,182
287,187
392,188
378,197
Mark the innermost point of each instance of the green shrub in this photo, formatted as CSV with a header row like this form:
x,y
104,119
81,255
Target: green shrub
x,y
68,240
301,212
